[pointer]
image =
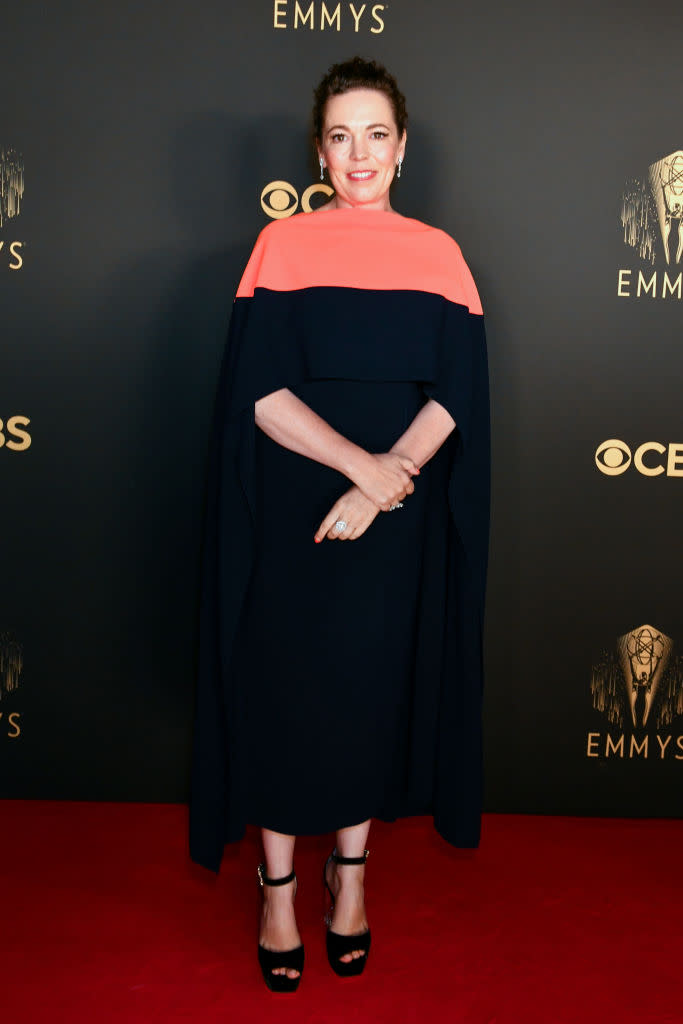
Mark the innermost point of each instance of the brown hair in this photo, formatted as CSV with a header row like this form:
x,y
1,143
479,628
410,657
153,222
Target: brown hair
x,y
357,73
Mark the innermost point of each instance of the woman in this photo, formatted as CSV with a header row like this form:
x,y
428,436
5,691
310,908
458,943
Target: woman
x,y
342,681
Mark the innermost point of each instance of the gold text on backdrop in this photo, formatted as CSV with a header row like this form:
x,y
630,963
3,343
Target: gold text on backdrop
x,y
15,259
651,458
656,288
322,16
13,724
604,745
13,435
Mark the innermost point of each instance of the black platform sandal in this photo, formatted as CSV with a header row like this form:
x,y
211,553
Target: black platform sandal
x,y
270,959
339,945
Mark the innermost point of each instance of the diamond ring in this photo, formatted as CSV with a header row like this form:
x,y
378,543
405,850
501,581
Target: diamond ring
x,y
399,504
340,526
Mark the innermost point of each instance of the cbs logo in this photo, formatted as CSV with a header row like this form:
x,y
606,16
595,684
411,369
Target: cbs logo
x,y
650,459
13,435
280,199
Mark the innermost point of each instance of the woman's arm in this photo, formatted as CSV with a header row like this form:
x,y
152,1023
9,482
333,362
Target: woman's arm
x,y
422,439
384,478
419,442
426,433
294,425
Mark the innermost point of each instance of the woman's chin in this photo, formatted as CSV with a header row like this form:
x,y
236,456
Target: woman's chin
x,y
363,198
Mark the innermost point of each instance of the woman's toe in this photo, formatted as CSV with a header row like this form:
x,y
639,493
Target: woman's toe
x,y
353,955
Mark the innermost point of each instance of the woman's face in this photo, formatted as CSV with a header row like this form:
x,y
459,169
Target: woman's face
x,y
360,147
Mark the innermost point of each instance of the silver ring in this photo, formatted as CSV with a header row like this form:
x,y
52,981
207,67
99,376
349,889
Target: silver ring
x,y
340,526
399,504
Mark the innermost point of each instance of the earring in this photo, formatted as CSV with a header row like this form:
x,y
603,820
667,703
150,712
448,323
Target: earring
x,y
398,172
322,165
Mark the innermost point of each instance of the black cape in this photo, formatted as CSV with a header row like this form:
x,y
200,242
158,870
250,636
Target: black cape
x,y
281,334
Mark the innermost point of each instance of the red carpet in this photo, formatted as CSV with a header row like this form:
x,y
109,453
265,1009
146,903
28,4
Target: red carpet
x,y
553,920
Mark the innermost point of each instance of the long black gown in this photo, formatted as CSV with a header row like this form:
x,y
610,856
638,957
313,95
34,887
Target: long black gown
x,y
342,681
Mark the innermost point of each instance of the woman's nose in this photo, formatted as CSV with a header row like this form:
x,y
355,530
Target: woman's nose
x,y
358,149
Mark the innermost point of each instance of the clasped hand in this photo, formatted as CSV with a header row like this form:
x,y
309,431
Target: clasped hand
x,y
381,481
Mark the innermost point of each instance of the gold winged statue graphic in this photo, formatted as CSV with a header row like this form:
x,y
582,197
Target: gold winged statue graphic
x,y
666,182
11,663
640,682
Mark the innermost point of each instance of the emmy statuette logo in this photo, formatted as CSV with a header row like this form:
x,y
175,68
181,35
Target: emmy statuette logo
x,y
11,196
11,664
637,686
652,222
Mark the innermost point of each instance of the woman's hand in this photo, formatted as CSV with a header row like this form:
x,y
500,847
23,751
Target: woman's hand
x,y
355,510
385,478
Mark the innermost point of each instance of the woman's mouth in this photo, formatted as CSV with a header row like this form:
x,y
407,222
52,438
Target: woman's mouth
x,y
361,175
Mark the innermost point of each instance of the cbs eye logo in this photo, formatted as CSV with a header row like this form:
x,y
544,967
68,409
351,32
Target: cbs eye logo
x,y
12,434
614,457
280,199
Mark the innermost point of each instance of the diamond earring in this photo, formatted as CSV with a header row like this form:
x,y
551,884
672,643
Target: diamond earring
x,y
322,165
398,172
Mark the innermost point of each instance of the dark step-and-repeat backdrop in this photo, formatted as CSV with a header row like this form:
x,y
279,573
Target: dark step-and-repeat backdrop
x,y
142,148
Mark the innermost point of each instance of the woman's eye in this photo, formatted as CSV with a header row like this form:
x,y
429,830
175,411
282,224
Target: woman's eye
x,y
379,135
339,137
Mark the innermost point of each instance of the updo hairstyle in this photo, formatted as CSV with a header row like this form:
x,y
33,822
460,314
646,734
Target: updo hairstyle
x,y
357,73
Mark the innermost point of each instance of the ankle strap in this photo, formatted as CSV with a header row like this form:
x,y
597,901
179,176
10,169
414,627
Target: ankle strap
x,y
264,880
338,859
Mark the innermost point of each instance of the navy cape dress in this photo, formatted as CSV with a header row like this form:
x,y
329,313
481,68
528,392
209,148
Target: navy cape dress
x,y
343,681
